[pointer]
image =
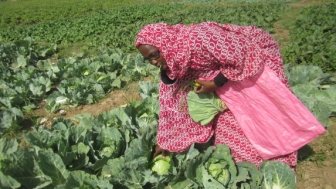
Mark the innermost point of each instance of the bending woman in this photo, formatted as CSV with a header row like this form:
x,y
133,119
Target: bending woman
x,y
218,52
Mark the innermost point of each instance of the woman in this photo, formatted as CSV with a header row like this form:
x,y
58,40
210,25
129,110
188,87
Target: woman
x,y
210,53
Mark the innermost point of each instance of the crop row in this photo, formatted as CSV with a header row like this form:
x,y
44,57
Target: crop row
x,y
31,74
313,39
117,27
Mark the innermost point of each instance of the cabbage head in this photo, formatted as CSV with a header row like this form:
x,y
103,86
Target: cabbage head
x,y
203,107
109,142
277,175
221,166
162,165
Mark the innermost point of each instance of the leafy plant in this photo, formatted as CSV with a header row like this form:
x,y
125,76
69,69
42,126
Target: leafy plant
x,y
277,175
315,88
313,38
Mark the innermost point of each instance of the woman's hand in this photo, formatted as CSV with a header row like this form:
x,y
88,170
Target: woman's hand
x,y
205,86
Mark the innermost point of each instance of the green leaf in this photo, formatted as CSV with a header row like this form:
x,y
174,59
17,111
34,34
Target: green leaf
x,y
111,142
17,112
185,184
25,169
254,177
304,74
277,175
114,168
116,83
8,146
208,181
81,179
203,107
21,61
80,148
36,89
52,165
8,182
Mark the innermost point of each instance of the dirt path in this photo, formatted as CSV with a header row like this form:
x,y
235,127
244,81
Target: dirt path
x,y
114,99
317,161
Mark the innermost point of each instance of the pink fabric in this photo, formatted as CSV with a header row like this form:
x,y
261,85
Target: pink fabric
x,y
274,120
227,131
202,51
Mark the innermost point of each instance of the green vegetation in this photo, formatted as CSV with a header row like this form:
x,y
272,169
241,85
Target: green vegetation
x,y
313,39
30,75
162,165
277,175
117,27
315,88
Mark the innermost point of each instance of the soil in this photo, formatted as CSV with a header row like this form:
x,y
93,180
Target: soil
x,y
114,99
317,162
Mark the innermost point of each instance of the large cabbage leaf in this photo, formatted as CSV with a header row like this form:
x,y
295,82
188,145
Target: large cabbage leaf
x,y
203,107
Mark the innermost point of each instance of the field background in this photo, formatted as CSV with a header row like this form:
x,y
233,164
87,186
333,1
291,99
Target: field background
x,y
88,31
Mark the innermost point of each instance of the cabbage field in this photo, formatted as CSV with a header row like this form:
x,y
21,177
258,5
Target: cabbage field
x,y
79,107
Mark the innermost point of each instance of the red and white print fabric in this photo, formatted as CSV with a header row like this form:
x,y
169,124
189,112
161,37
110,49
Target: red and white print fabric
x,y
202,51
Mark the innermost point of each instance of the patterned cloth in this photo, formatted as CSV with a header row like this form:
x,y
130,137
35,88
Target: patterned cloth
x,y
202,51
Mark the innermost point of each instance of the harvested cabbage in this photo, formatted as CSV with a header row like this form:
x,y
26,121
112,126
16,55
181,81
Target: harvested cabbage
x,y
204,107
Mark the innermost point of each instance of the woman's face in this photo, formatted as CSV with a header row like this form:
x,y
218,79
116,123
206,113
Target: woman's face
x,y
153,56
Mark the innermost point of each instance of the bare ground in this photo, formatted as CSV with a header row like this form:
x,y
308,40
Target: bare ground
x,y
317,162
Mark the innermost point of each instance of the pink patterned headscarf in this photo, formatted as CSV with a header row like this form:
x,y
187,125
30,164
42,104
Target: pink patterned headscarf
x,y
172,42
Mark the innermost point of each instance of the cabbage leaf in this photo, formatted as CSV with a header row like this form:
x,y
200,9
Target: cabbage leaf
x,y
203,107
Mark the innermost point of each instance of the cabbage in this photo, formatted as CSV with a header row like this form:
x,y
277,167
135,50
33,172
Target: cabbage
x,y
221,166
277,175
203,107
216,169
248,176
224,177
162,165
